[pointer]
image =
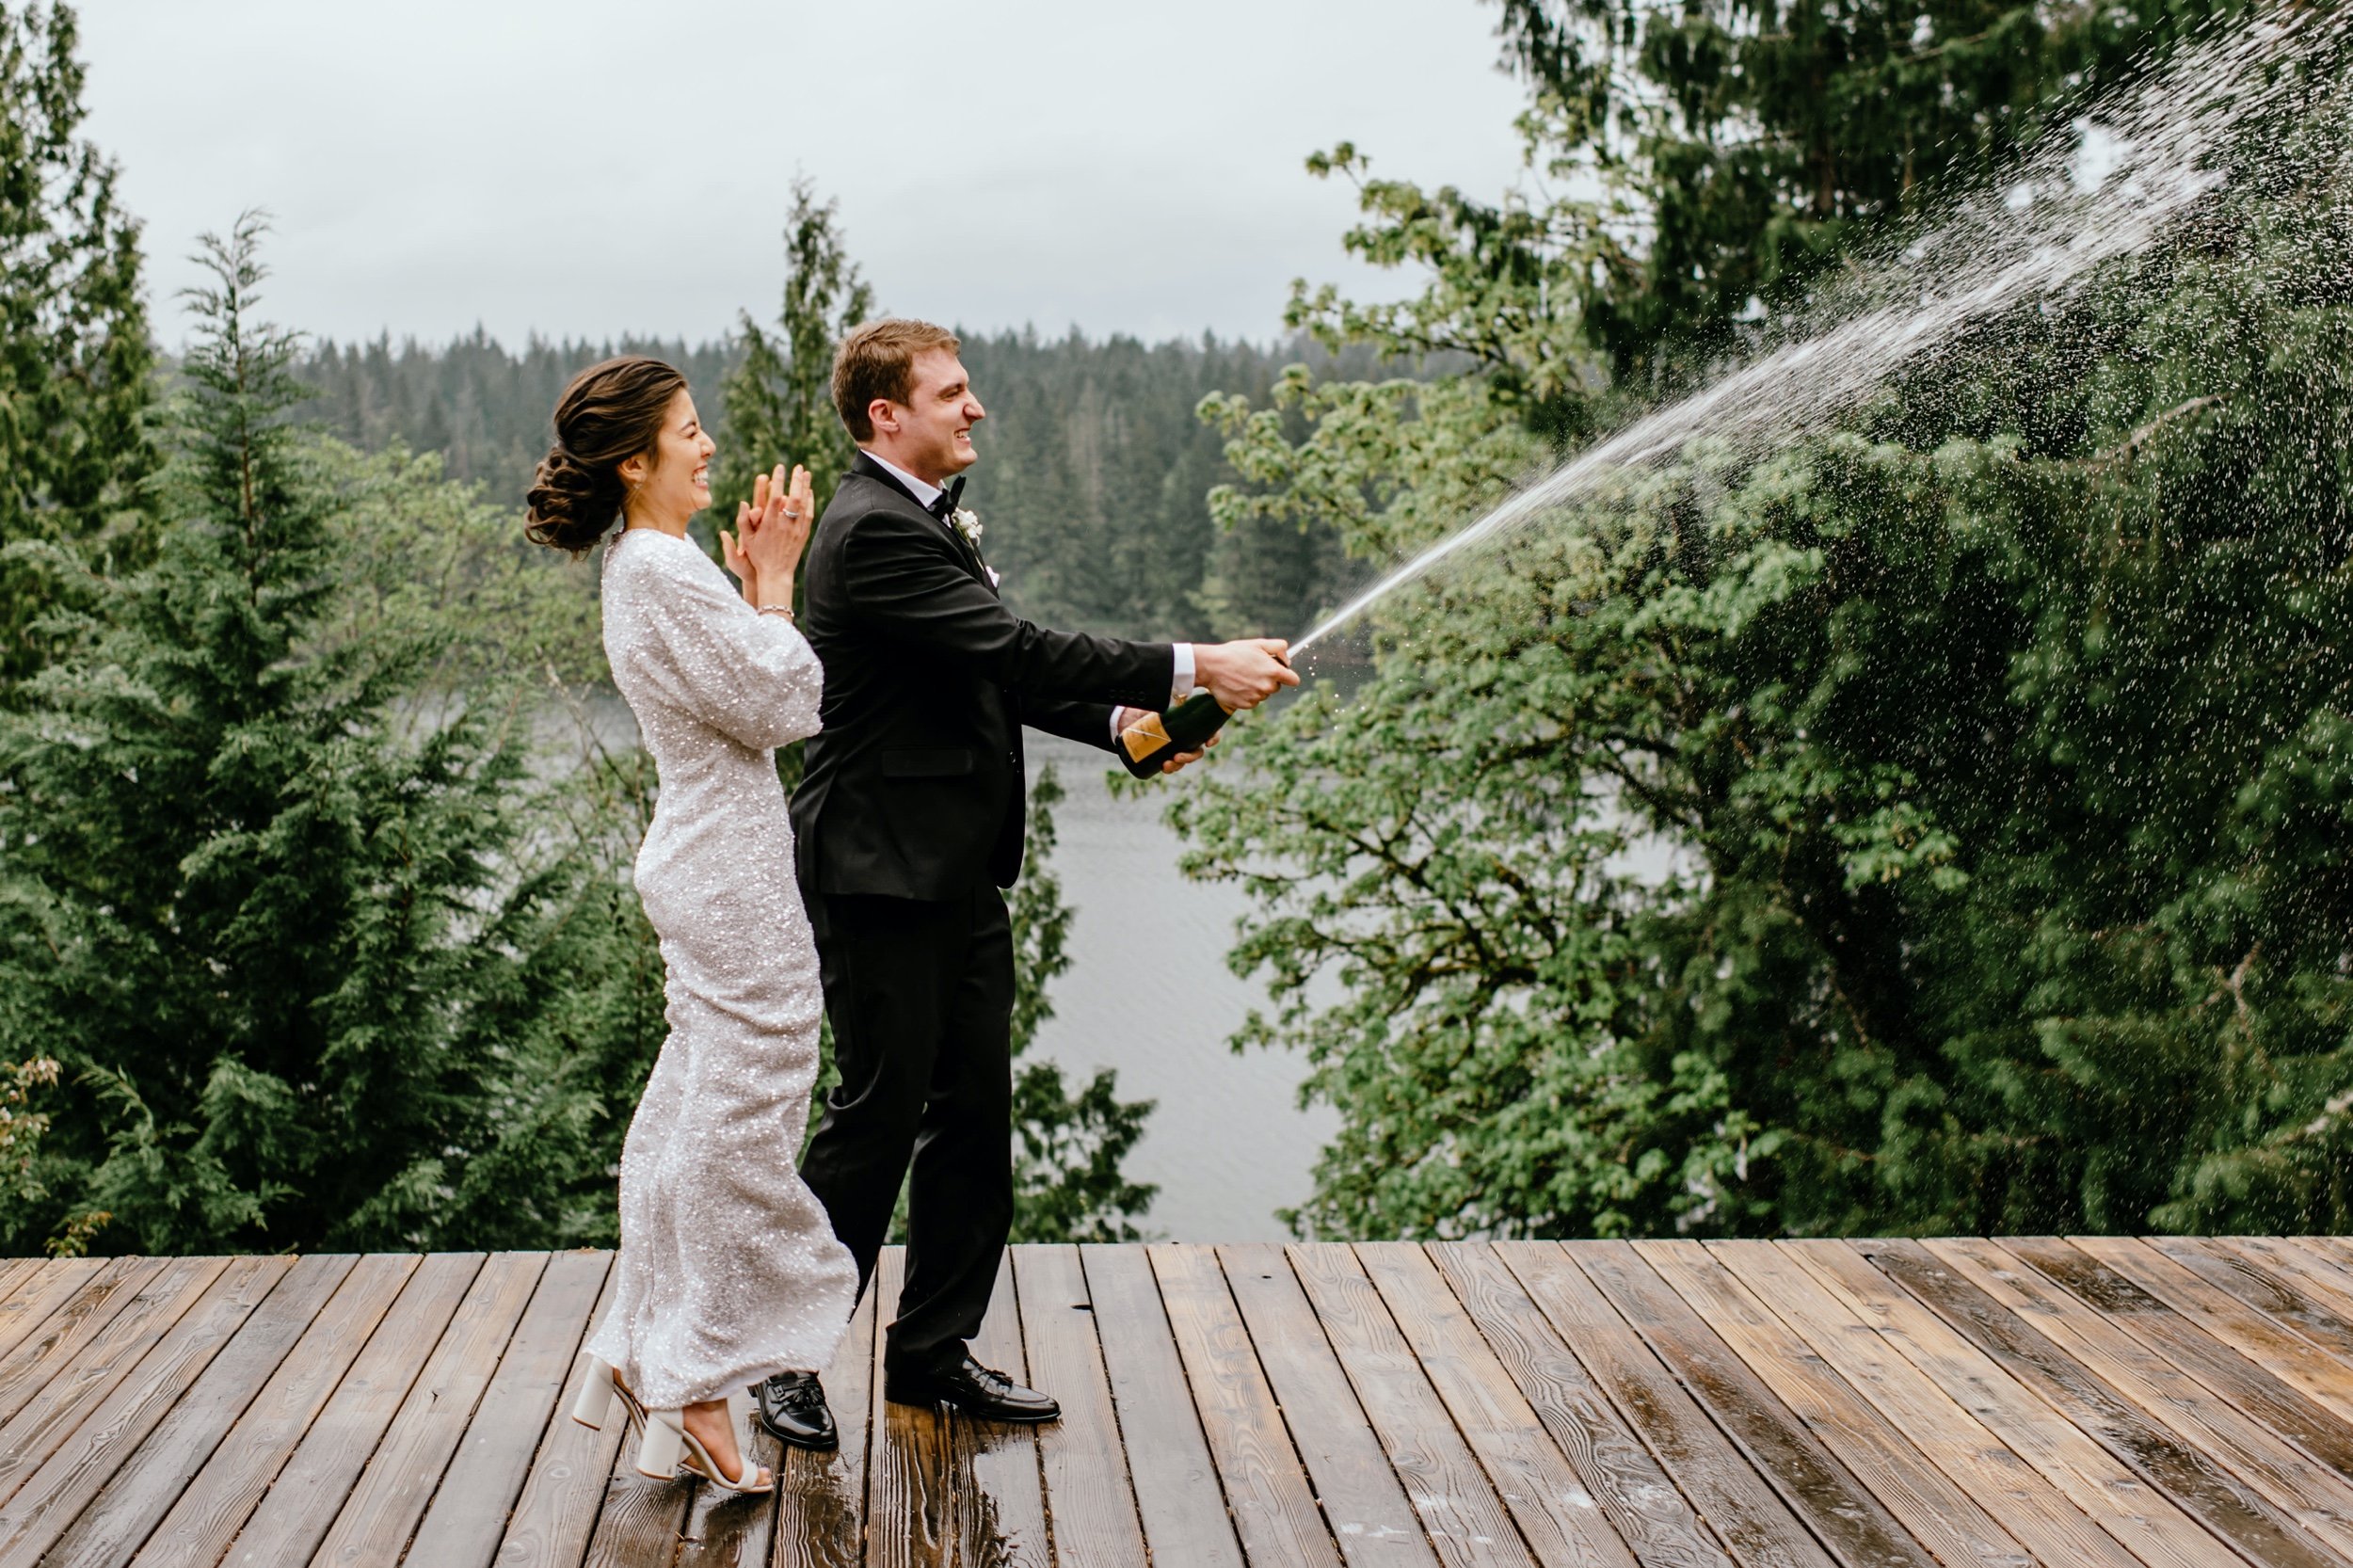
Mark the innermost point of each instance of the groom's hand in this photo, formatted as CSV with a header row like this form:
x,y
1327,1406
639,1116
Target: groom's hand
x,y
1243,674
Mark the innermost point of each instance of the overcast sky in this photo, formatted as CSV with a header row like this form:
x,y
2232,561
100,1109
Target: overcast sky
x,y
590,167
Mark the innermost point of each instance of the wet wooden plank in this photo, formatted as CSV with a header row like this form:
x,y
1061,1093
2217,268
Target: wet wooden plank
x,y
1178,1500
1274,1513
1810,1480
467,1518
376,1522
821,1520
1004,1525
2109,1490
911,1504
14,1272
1638,1497
1363,1503
1467,1523
2334,1253
640,1520
2310,1267
1094,1515
563,1490
2277,1293
43,1288
69,1395
1953,1438
44,1354
2181,1341
42,1498
2283,1351
2153,1417
310,1489
1931,1506
126,1499
1552,1504
727,1530
197,1531
1755,1524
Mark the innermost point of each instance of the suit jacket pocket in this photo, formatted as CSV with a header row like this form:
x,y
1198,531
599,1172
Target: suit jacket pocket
x,y
927,762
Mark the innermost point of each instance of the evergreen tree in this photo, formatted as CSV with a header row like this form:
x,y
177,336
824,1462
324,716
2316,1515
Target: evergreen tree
x,y
1747,144
779,399
75,359
282,933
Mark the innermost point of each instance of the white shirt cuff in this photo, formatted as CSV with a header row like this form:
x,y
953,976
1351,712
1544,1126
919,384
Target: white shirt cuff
x,y
1180,685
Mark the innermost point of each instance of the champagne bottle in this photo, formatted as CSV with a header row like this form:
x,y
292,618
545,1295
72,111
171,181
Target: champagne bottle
x,y
1151,739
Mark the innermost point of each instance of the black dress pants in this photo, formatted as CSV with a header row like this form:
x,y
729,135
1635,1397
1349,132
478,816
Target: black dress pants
x,y
920,997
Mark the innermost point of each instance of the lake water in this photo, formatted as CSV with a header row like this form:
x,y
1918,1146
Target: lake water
x,y
1148,993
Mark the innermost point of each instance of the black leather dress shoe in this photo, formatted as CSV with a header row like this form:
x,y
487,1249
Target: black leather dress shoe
x,y
972,1388
793,1408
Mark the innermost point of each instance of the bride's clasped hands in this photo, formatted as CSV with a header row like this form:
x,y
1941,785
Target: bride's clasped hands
x,y
771,530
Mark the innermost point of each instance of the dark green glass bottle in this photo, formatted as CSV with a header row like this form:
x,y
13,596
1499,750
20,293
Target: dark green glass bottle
x,y
1154,738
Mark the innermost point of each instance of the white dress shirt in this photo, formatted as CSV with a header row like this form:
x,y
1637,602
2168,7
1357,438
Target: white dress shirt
x,y
926,492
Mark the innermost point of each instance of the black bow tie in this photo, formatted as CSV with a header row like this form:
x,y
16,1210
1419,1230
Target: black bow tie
x,y
945,502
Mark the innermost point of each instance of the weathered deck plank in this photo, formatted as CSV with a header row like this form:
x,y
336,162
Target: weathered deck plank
x,y
1755,1524
1177,1497
1553,1505
70,1393
125,1501
1273,1507
1006,1525
1352,1478
909,1504
376,1523
822,1496
197,1531
2160,1402
464,1524
1093,1518
2200,1485
1954,1434
310,1489
1465,1522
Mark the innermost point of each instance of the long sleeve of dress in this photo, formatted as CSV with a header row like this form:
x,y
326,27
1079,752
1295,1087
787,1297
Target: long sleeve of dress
x,y
751,677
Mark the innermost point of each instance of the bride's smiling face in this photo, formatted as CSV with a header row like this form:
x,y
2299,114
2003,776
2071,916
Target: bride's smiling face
x,y
673,482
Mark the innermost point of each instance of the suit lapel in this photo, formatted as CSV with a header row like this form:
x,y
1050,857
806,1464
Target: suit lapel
x,y
966,550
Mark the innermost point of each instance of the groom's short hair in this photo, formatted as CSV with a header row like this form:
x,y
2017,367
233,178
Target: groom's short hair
x,y
877,360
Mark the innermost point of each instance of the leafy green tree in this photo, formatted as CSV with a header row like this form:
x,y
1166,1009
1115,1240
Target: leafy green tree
x,y
1926,827
75,359
779,399
288,936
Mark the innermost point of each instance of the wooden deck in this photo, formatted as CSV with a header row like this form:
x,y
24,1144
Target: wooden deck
x,y
1800,1404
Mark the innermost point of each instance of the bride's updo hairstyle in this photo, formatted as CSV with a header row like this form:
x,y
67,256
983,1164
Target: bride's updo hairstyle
x,y
610,413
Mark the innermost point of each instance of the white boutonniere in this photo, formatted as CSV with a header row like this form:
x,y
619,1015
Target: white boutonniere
x,y
968,524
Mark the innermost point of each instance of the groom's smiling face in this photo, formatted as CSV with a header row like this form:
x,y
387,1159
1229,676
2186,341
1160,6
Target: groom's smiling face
x,y
933,437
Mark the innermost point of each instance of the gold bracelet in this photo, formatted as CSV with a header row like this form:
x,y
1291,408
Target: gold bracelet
x,y
784,610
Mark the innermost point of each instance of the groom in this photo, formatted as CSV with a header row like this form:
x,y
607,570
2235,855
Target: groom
x,y
910,817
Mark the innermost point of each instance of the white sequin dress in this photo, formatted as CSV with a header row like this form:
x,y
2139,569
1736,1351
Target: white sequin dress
x,y
729,1271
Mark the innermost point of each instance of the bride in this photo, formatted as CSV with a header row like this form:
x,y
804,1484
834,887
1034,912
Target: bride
x,y
728,1272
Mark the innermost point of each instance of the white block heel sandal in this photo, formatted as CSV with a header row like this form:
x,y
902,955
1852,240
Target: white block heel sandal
x,y
602,1399
667,1442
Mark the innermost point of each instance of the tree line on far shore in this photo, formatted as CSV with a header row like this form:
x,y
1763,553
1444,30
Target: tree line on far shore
x,y
1093,486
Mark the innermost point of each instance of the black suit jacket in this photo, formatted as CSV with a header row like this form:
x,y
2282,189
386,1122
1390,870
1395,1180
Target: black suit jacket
x,y
915,787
